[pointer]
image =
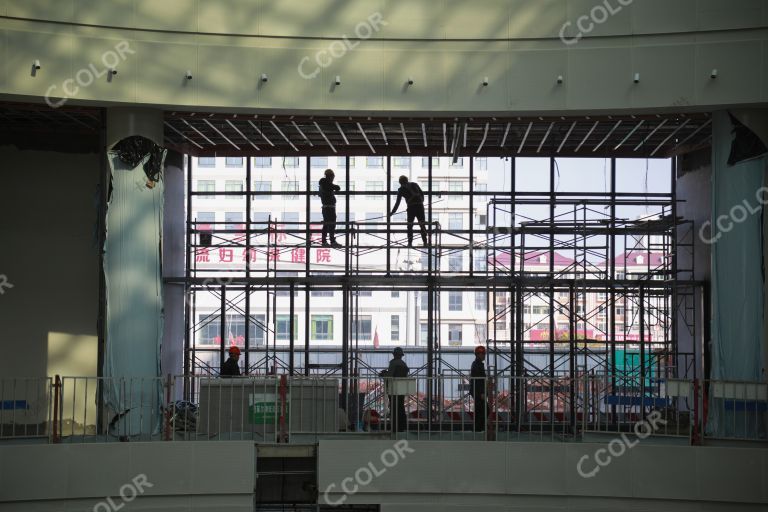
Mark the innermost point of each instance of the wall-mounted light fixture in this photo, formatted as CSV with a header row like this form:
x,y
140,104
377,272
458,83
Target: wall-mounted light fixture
x,y
637,78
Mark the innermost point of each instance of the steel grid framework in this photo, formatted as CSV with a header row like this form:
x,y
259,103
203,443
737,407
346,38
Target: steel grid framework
x,y
661,300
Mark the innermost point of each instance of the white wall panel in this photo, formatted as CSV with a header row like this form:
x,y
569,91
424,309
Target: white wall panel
x,y
533,79
599,76
667,75
739,72
162,63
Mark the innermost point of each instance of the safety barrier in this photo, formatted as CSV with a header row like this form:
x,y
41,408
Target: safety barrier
x,y
299,409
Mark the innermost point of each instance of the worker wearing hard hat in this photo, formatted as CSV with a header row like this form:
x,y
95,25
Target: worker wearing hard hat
x,y
477,388
397,368
230,367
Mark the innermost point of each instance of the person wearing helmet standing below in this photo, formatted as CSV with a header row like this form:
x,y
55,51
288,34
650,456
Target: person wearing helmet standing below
x,y
397,368
328,198
230,367
414,200
477,388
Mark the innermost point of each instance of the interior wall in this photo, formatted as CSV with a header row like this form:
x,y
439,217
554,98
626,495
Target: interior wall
x,y
48,252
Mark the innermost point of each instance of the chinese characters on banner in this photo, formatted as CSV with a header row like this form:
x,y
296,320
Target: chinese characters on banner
x,y
283,251
286,255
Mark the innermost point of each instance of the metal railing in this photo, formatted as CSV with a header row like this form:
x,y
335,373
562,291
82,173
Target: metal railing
x,y
299,409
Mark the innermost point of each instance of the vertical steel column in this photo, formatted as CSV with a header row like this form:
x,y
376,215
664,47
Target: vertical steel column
x,y
551,292
222,325
248,226
672,309
611,258
308,249
471,215
345,291
291,327
642,350
430,306
389,209
187,276
572,353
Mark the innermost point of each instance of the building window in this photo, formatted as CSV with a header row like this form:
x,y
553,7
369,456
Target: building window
x,y
394,322
290,162
318,161
233,161
363,332
291,218
236,330
208,330
374,186
234,220
260,220
365,293
458,163
423,298
481,187
455,302
289,186
481,219
481,333
454,335
481,164
206,161
455,262
322,327
455,186
372,215
425,162
205,217
374,161
262,186
283,329
402,162
481,264
262,161
423,334
540,310
285,292
233,186
455,221
395,294
316,217
342,162
481,301
206,186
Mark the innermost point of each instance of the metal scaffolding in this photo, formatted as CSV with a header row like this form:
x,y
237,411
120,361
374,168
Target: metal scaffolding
x,y
603,294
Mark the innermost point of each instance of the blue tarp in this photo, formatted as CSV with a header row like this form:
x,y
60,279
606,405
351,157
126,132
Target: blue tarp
x,y
737,274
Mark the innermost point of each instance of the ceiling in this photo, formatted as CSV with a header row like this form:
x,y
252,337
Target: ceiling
x,y
217,134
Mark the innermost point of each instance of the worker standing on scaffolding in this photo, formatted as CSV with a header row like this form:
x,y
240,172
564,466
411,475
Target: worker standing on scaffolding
x,y
328,198
414,200
477,388
397,368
